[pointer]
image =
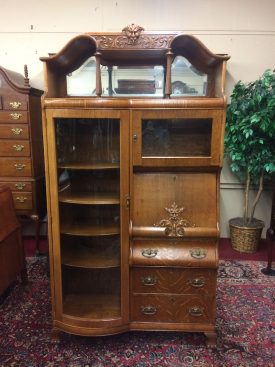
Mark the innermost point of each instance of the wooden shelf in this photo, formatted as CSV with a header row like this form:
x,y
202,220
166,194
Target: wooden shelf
x,y
88,229
89,166
89,198
91,257
92,306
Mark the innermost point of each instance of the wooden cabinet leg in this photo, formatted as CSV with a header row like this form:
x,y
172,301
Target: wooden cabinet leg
x,y
24,276
55,335
37,223
211,339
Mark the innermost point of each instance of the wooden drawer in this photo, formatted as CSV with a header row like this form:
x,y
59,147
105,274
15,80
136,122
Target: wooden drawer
x,y
14,103
14,148
15,167
18,185
14,116
178,281
22,200
172,308
8,131
188,253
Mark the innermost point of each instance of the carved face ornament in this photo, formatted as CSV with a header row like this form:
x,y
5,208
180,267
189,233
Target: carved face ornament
x,y
133,32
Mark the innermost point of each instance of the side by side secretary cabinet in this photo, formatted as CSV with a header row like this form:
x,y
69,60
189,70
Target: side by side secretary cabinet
x,y
133,127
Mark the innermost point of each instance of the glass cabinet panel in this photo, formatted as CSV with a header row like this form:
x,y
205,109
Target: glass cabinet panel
x,y
176,137
88,171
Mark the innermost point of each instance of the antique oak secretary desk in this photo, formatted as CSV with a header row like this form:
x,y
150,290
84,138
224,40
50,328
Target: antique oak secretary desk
x,y
133,135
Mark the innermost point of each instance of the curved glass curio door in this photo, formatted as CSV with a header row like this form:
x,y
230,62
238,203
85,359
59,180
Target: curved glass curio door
x,y
88,172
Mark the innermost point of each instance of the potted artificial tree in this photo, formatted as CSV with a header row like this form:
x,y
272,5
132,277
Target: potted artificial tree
x,y
250,147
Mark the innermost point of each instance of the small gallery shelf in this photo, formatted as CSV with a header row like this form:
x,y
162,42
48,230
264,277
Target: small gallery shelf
x,y
91,257
88,229
92,306
89,166
89,198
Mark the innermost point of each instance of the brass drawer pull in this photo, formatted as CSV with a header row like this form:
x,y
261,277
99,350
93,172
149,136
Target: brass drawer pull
x,y
15,104
19,166
148,310
15,115
198,253
196,311
17,131
197,282
20,186
21,199
149,252
18,147
149,280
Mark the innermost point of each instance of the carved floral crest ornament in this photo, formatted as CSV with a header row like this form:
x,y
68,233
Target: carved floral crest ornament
x,y
174,225
132,32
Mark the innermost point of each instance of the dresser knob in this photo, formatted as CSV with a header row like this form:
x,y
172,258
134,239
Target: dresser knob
x,y
198,253
18,147
149,252
148,310
17,131
15,104
197,282
19,166
149,280
20,186
196,311
15,115
21,199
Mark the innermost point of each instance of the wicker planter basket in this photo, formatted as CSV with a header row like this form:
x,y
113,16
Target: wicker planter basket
x,y
245,239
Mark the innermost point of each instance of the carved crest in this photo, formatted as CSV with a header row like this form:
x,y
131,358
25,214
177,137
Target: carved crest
x,y
174,225
132,32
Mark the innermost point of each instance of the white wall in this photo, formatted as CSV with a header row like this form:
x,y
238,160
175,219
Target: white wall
x,y
244,29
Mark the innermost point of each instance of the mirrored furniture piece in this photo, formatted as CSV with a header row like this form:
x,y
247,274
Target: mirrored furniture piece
x,y
21,146
133,126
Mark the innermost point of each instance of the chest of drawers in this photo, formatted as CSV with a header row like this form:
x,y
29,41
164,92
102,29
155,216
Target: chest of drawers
x,y
21,145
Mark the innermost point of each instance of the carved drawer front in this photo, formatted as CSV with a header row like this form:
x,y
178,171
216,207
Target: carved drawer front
x,y
179,281
195,253
14,103
14,116
172,308
22,200
18,186
16,131
15,167
14,148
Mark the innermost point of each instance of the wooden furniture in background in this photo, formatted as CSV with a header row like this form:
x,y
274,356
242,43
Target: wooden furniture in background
x,y
12,258
133,185
21,146
270,239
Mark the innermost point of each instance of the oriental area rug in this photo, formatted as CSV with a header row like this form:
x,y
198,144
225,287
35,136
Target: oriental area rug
x,y
245,310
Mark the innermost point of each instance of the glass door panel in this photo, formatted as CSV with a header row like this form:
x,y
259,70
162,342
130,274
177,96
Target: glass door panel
x,y
88,171
176,138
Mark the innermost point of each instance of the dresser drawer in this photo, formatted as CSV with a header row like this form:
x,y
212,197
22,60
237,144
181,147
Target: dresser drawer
x,y
188,253
14,148
172,308
14,116
14,103
8,131
22,200
178,281
18,185
15,167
